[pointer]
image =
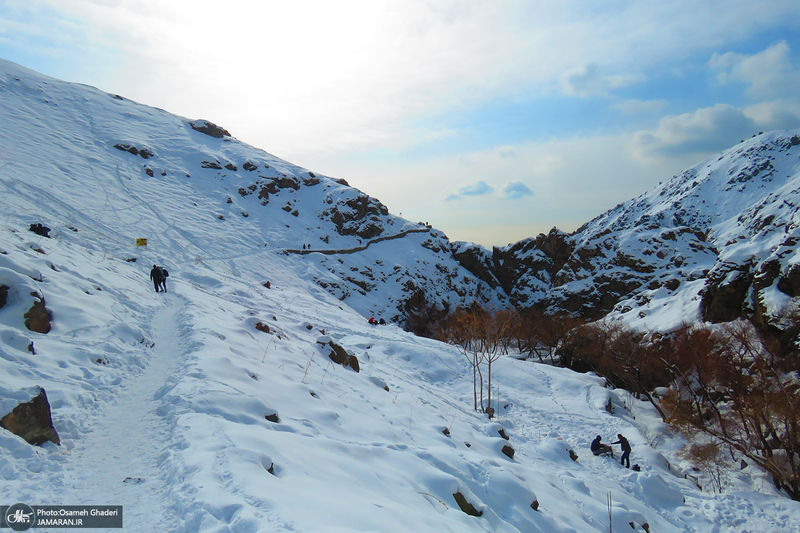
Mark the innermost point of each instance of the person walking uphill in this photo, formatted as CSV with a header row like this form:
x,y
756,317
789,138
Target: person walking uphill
x,y
626,450
164,276
158,277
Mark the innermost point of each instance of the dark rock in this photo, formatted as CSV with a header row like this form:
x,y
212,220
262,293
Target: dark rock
x,y
535,505
41,230
3,295
211,164
249,166
338,354
209,128
32,421
446,432
38,317
273,417
503,434
508,450
789,283
725,292
477,262
260,326
352,362
231,167
145,153
466,506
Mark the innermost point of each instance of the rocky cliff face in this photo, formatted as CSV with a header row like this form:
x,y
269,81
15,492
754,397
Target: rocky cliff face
x,y
716,242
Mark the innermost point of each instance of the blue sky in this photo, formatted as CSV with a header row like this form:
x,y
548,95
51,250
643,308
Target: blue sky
x,y
493,120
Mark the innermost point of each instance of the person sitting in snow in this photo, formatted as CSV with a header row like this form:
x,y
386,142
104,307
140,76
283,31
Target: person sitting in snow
x,y
157,276
626,450
598,448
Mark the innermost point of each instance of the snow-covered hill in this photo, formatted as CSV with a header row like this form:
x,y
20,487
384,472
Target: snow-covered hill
x,y
216,406
716,242
119,171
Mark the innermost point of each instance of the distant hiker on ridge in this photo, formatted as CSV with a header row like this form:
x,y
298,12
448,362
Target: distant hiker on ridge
x,y
157,276
626,450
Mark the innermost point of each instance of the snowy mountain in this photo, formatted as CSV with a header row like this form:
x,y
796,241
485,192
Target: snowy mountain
x,y
716,242
253,396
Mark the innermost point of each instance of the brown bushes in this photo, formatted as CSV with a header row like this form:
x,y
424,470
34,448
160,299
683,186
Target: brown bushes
x,y
727,385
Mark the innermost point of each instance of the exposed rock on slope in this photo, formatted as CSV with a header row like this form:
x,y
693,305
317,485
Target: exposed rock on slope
x,y
716,242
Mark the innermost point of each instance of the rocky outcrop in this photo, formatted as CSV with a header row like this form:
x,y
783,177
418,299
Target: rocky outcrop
x,y
144,153
32,420
789,283
475,259
209,128
339,355
726,289
359,215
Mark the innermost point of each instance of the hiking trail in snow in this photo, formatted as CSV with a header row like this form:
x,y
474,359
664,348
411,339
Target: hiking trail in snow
x,y
119,461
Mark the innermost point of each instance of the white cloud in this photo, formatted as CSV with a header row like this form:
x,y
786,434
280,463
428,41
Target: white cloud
x,y
514,190
706,130
478,188
775,115
768,74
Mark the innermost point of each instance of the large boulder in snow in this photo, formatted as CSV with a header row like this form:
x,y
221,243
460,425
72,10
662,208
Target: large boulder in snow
x,y
38,317
338,354
3,295
31,420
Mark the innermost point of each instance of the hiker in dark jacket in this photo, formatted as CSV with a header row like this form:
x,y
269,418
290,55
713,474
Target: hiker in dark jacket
x,y
157,276
626,450
598,448
164,275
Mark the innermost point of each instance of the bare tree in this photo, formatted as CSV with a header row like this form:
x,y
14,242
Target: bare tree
x,y
462,330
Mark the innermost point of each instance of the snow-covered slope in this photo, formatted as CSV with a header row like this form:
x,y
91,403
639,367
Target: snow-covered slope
x,y
75,156
214,407
715,242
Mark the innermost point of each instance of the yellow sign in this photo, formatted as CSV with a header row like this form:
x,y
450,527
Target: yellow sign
x,y
141,242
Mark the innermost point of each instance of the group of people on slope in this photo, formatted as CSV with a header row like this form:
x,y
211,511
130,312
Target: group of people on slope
x,y
598,448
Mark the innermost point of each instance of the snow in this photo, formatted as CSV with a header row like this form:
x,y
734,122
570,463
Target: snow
x,y
161,399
